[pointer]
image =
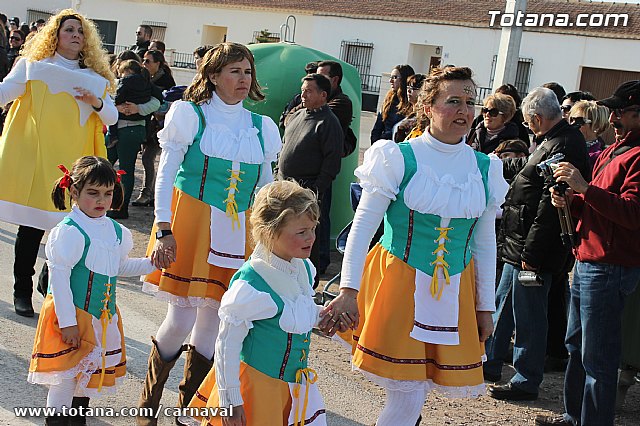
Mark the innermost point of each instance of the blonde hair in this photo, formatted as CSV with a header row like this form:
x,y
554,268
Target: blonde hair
x,y
275,204
44,43
221,55
504,103
598,114
432,84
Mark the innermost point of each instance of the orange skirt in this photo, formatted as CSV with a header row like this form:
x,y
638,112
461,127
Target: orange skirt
x,y
190,280
266,401
52,360
382,346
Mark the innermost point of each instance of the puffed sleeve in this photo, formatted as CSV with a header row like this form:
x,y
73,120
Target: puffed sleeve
x,y
382,169
130,267
240,305
272,140
15,83
180,127
483,244
64,250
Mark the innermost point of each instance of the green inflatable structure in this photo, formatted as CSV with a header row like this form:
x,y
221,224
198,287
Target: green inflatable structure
x,y
280,68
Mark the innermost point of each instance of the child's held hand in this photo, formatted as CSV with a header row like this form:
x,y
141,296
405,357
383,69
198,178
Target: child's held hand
x,y
238,418
71,335
164,252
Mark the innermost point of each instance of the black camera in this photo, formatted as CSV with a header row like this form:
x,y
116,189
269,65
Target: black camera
x,y
530,279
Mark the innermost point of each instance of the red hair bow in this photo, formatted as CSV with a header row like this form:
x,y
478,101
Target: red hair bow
x,y
118,174
65,182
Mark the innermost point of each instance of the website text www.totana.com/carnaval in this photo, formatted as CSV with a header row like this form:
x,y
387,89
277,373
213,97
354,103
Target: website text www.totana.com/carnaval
x,y
126,411
522,19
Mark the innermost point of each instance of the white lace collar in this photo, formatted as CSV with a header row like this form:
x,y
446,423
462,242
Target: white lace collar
x,y
220,106
260,252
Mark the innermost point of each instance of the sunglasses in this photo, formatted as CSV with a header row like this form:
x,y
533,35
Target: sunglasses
x,y
619,111
493,112
14,38
566,108
579,121
413,87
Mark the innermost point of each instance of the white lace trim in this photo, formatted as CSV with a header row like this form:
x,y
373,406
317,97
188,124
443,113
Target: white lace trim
x,y
182,302
84,368
453,392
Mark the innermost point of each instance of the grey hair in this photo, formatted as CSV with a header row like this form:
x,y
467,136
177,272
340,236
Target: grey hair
x,y
541,101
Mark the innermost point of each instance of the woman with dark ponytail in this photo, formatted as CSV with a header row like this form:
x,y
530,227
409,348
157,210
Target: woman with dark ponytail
x,y
80,322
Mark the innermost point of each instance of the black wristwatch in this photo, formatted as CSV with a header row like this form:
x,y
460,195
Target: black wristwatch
x,y
161,233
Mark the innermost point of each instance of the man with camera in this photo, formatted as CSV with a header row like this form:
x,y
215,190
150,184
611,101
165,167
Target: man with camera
x,y
532,249
608,264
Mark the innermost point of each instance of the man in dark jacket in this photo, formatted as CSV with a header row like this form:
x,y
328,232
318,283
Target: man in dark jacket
x,y
608,264
312,150
530,239
143,40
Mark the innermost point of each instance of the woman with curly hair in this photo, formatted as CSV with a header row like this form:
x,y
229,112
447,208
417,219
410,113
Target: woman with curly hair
x,y
215,156
60,89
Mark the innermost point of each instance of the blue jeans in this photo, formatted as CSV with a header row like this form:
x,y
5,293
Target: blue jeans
x,y
525,310
594,341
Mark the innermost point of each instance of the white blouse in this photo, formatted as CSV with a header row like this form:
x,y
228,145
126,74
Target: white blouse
x,y
106,255
447,183
242,304
229,134
55,72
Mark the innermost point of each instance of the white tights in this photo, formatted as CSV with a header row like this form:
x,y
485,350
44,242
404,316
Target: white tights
x,y
203,324
402,408
61,394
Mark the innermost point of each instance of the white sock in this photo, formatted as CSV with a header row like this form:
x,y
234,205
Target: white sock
x,y
402,408
174,330
62,394
205,332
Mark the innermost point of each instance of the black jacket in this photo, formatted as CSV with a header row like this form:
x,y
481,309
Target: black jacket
x,y
481,141
530,229
383,129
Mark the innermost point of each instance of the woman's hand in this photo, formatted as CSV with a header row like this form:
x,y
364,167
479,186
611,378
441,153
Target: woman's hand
x,y
71,335
566,172
87,97
237,419
165,249
131,108
341,313
485,324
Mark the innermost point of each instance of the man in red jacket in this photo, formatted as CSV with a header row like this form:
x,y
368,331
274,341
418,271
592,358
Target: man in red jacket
x,y
608,264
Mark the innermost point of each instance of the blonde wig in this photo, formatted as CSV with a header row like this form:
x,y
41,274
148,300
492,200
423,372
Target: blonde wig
x,y
222,54
44,43
275,204
590,110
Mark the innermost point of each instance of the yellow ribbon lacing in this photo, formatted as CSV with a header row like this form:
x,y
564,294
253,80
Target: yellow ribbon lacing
x,y
310,376
232,206
105,319
436,288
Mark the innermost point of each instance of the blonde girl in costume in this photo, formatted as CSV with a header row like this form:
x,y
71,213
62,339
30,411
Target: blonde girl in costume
x,y
422,299
79,345
215,154
60,91
266,320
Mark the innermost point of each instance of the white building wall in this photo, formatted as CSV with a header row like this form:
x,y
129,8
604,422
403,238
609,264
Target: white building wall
x,y
19,8
556,57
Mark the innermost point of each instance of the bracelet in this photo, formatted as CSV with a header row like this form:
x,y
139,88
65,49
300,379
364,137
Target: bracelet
x,y
100,108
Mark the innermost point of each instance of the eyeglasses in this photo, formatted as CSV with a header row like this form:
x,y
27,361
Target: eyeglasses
x,y
413,87
566,108
493,112
14,38
579,121
394,77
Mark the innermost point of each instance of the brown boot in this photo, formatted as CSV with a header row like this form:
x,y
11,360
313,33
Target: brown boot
x,y
157,375
196,368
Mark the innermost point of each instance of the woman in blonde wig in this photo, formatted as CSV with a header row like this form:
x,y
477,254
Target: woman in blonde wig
x,y
60,91
215,154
